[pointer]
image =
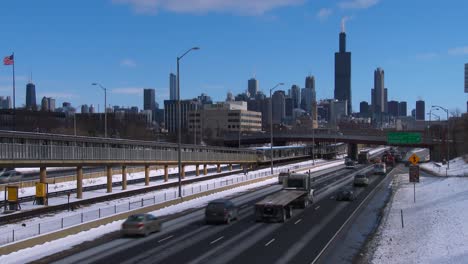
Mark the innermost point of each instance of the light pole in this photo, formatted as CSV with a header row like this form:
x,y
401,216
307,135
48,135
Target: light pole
x,y
271,126
105,107
179,121
448,133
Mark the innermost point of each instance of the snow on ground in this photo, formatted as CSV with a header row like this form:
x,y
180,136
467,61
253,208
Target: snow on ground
x,y
435,227
25,170
52,247
458,167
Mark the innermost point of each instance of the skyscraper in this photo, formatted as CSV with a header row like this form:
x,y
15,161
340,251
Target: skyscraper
x,y
173,87
252,87
308,97
30,96
278,101
149,102
44,104
343,72
51,103
420,110
296,96
378,94
393,108
466,77
402,109
364,109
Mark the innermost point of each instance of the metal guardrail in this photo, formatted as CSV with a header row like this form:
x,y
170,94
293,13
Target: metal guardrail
x,y
10,151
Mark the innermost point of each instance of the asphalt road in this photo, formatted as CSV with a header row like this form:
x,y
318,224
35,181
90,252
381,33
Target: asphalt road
x,y
189,240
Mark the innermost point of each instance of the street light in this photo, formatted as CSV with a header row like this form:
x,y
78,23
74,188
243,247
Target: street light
x,y
448,143
271,126
179,121
105,107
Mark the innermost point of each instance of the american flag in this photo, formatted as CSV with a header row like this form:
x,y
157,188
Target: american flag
x,y
8,60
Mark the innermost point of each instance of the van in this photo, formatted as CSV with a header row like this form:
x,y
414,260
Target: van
x,y
221,210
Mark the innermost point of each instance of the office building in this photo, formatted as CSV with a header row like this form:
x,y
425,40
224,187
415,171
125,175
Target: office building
x,y
402,109
343,72
364,109
466,77
393,108
295,94
171,117
31,96
378,93
205,99
51,104
44,104
279,106
5,102
173,93
252,87
149,99
420,110
288,107
229,97
92,109
85,109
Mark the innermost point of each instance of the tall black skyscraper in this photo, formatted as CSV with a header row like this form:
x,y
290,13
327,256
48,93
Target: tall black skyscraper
x,y
420,110
343,72
30,96
252,87
149,102
173,95
402,108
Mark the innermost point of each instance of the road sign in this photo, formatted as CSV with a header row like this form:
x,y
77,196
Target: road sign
x,y
414,173
414,159
403,138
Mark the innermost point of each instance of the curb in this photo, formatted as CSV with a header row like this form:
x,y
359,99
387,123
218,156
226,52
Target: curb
x,y
7,249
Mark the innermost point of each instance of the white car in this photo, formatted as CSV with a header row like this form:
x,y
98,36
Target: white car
x,y
380,168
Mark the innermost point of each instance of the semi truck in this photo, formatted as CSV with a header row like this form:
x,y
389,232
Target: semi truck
x,y
363,157
278,207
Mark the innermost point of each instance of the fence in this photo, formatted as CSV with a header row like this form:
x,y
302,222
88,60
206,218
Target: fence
x,y
36,229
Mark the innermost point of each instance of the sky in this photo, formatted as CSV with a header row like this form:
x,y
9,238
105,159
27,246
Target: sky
x,y
128,45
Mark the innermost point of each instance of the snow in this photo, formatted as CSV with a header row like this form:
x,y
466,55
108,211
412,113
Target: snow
x,y
435,227
458,167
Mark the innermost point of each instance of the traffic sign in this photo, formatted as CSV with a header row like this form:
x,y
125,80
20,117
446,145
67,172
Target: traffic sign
x,y
414,173
414,159
403,138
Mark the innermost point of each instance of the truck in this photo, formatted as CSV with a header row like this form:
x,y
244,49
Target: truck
x,y
363,157
278,207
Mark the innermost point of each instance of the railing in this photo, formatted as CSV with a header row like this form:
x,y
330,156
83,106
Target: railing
x,y
52,152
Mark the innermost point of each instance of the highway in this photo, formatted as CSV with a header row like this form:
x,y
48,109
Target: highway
x,y
188,240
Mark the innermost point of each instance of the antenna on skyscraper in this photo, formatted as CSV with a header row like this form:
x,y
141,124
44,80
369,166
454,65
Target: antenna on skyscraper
x,y
343,21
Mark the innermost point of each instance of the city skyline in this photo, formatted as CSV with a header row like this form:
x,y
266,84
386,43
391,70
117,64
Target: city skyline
x,y
126,67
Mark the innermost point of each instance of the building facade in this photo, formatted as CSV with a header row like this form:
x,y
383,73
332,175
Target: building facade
x,y
420,110
149,99
296,96
171,117
5,102
278,106
31,96
393,108
402,108
252,87
343,73
378,99
173,95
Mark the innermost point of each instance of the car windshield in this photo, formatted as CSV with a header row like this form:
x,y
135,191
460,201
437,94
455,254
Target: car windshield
x,y
215,206
360,176
136,218
295,183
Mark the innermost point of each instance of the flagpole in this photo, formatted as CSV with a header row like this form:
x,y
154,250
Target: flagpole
x,y
14,99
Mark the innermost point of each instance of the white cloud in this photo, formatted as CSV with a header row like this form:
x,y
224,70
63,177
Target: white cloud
x,y
458,51
245,7
128,63
357,4
324,13
129,90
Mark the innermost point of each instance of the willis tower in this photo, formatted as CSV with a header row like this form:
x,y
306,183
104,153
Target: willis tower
x,y
343,71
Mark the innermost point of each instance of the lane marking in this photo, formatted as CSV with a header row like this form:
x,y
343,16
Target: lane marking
x,y
164,239
214,241
316,208
297,222
244,206
271,241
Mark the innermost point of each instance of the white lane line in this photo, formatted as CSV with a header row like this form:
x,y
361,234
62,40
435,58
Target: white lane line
x,y
244,206
164,239
216,240
271,241
297,222
316,208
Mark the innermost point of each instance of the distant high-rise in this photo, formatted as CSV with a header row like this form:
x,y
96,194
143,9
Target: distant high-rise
x,y
253,87
296,96
288,107
5,102
402,109
173,87
51,103
343,72
466,77
308,97
278,101
229,97
149,102
378,93
85,109
393,108
310,82
420,110
30,96
364,109
92,109
44,104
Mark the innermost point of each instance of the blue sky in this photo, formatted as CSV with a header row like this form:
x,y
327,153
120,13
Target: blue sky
x,y
128,45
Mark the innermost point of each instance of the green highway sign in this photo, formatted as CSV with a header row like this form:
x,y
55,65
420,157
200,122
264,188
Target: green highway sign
x,y
403,138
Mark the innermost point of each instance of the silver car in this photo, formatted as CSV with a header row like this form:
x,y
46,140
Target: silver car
x,y
361,180
141,224
10,175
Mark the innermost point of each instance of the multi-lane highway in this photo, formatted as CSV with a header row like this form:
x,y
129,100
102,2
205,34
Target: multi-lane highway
x,y
188,239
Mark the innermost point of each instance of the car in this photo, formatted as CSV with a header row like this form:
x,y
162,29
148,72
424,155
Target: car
x,y
221,210
141,224
350,164
8,175
380,168
345,194
361,180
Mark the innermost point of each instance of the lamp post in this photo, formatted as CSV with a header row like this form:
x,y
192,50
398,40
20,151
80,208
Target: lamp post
x,y
105,107
271,126
179,121
448,133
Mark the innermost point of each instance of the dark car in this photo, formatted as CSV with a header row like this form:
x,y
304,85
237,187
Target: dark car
x,y
221,210
141,224
345,194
